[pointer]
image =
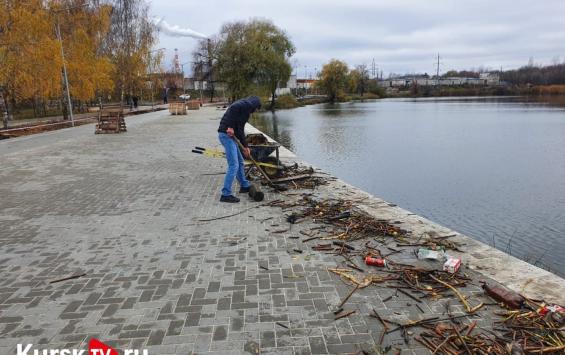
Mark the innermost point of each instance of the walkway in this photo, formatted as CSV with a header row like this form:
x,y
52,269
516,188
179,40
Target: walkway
x,y
124,210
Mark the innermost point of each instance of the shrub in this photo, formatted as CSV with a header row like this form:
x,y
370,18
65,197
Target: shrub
x,y
286,101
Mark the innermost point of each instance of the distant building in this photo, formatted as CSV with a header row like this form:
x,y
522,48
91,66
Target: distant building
x,y
288,87
291,83
294,84
305,83
491,78
194,84
485,79
283,91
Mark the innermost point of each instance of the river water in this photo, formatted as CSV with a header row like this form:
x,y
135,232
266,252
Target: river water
x,y
491,168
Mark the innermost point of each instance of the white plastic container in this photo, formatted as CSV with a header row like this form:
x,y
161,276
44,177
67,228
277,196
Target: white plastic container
x,y
452,265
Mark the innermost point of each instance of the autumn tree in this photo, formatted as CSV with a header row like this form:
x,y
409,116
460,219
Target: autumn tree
x,y
553,74
129,43
353,79
205,63
33,36
333,79
358,80
272,48
462,73
26,32
235,62
84,24
254,52
156,72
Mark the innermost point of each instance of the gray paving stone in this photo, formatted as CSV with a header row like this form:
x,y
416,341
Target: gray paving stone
x,y
317,345
220,333
156,337
267,339
203,342
125,210
180,339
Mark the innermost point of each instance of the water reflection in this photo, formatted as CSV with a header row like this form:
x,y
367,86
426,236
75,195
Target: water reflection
x,y
268,122
489,167
339,110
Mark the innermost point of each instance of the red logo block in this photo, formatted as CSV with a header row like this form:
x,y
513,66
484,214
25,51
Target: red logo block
x,y
96,347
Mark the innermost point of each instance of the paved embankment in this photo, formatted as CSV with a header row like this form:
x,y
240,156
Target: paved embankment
x,y
125,209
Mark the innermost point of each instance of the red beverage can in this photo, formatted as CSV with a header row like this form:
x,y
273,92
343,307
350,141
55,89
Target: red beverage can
x,y
375,261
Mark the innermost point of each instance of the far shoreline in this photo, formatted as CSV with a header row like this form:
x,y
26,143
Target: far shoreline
x,y
533,94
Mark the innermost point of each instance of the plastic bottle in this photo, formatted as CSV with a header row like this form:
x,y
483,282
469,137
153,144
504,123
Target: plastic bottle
x,y
430,254
509,298
375,261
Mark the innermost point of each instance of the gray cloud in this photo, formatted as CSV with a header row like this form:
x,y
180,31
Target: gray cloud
x,y
401,35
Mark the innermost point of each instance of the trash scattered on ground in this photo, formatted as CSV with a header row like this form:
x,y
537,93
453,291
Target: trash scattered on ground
x,y
343,230
375,261
509,298
430,254
452,265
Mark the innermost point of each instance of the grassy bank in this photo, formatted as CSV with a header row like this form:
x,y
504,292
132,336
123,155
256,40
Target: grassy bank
x,y
285,102
367,96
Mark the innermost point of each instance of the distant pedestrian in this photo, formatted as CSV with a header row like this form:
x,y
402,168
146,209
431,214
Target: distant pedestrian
x,y
135,99
232,126
165,94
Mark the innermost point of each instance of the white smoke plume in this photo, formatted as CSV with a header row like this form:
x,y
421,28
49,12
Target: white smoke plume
x,y
176,31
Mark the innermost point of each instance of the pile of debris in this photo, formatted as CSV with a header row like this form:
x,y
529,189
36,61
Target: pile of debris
x,y
347,223
529,331
379,253
293,177
345,231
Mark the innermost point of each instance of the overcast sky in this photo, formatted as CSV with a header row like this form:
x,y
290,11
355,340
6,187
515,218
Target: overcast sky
x,y
403,36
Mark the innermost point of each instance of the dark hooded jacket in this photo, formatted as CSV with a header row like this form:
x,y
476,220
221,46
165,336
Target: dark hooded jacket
x,y
237,116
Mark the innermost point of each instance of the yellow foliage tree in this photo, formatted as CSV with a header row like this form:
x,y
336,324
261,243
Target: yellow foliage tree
x,y
129,44
106,45
333,79
29,53
83,28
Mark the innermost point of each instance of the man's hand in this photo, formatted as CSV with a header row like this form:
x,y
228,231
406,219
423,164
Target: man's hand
x,y
246,152
230,132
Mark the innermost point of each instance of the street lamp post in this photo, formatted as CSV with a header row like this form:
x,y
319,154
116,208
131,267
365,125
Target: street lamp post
x,y
183,85
200,64
65,76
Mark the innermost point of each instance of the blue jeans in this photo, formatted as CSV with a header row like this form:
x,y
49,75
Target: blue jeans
x,y
235,164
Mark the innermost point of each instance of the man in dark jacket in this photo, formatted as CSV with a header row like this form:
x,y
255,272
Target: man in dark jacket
x,y
232,125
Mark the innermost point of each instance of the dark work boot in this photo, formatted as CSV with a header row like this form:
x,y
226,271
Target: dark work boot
x,y
229,199
244,190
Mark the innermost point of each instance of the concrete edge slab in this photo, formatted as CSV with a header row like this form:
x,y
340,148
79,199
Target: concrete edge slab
x,y
516,274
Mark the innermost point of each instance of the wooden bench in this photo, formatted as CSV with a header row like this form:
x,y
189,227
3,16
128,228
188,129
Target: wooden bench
x,y
177,108
111,120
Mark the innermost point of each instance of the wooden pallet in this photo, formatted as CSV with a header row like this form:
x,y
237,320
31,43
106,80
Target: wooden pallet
x,y
111,120
177,108
193,104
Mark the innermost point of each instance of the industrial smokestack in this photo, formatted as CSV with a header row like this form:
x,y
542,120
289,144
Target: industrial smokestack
x,y
176,31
